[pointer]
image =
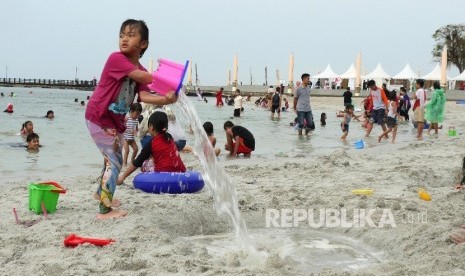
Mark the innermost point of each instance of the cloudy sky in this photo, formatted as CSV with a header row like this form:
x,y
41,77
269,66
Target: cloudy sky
x,y
51,38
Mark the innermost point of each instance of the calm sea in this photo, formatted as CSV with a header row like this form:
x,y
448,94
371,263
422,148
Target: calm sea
x,y
68,150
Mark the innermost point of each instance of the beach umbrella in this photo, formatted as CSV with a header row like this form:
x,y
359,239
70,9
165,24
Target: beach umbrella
x,y
235,71
277,77
189,73
291,68
358,68
444,66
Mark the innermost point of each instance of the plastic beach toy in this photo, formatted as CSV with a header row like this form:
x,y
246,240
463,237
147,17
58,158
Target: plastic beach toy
x,y
359,144
44,194
363,192
73,241
424,195
452,131
168,77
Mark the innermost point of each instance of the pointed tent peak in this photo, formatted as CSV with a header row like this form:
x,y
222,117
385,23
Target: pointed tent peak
x,y
460,77
378,73
435,74
406,74
351,73
328,73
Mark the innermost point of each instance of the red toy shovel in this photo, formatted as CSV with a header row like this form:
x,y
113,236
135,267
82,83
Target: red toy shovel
x,y
73,241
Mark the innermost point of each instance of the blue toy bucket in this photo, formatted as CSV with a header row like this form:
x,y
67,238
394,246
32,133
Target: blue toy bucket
x,y
359,144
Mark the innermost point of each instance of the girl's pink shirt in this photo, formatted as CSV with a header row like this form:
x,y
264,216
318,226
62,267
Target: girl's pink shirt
x,y
109,88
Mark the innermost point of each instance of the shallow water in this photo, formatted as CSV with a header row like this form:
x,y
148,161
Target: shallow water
x,y
306,250
68,149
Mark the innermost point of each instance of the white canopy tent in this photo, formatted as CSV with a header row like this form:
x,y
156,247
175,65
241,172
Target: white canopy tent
x,y
378,75
435,74
406,74
328,73
460,77
350,74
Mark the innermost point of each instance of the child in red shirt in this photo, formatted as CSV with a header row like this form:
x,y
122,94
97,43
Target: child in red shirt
x,y
161,150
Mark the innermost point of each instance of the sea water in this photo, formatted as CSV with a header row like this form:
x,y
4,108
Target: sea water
x,y
68,150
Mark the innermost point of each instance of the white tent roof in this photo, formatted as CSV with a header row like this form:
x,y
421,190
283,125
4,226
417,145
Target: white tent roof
x,y
328,73
378,73
460,77
350,73
435,74
406,74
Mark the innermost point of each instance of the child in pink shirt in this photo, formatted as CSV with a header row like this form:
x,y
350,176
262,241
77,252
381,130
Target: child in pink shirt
x,y
122,78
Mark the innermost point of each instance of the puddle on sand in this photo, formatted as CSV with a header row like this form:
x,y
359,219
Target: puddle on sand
x,y
306,250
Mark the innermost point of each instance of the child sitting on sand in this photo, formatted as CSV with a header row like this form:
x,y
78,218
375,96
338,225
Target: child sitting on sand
x,y
208,127
161,151
349,114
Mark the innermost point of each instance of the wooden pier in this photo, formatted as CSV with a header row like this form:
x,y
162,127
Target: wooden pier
x,y
48,83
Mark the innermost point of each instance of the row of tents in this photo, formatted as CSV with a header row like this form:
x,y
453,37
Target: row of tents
x,y
406,74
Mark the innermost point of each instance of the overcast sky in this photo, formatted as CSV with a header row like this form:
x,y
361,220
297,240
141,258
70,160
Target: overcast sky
x,y
50,38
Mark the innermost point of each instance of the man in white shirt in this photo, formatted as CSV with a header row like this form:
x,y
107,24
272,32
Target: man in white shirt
x,y
419,107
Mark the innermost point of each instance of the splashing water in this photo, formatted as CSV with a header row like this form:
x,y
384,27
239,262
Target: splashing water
x,y
221,186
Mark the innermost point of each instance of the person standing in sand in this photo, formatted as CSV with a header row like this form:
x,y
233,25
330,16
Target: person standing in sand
x,y
434,110
391,119
378,107
122,77
419,107
302,105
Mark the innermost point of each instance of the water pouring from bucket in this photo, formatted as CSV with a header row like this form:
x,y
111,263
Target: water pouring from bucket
x,y
168,77
218,182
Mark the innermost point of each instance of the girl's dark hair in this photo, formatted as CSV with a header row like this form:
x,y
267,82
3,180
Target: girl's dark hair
x,y
436,85
392,95
159,121
141,27
25,124
137,107
403,89
49,112
208,127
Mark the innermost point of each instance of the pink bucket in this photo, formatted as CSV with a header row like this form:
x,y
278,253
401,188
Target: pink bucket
x,y
168,77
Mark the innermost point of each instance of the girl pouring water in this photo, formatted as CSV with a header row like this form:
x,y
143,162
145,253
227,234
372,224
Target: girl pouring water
x,y
122,78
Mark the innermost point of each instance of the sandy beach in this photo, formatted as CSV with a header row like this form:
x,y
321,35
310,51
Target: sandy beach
x,y
158,237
